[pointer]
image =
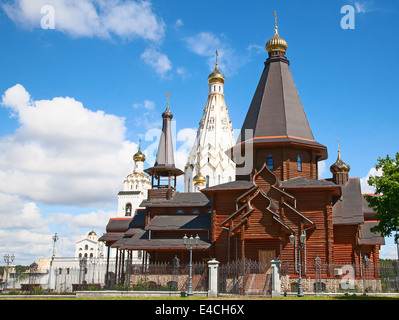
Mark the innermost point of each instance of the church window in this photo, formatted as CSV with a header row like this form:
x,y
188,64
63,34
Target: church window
x,y
189,185
80,255
229,179
180,211
207,180
270,161
195,212
91,255
59,270
299,160
86,247
128,210
219,179
68,270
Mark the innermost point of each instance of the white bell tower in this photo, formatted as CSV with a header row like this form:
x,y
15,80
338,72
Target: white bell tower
x,y
207,164
135,187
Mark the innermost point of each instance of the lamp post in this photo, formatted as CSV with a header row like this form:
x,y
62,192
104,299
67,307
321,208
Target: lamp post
x,y
55,239
302,239
8,260
191,243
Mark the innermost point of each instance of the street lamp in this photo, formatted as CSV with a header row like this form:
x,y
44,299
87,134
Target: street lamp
x,y
302,239
191,243
55,239
8,260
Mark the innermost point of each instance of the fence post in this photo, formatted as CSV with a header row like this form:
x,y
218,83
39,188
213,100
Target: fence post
x,y
276,278
213,266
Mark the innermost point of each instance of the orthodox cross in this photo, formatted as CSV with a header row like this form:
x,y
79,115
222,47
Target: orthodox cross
x,y
217,54
275,20
168,98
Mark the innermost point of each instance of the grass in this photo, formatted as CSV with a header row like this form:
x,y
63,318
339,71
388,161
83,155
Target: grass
x,y
226,298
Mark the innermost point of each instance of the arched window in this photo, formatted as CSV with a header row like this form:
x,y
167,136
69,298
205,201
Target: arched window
x,y
299,161
207,181
219,179
229,179
86,247
270,164
180,211
128,210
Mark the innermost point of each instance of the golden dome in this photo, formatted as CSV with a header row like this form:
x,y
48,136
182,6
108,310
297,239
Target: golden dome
x,y
339,165
276,43
216,76
139,156
92,233
199,179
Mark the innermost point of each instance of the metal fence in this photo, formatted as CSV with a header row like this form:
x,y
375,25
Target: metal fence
x,y
242,277
336,278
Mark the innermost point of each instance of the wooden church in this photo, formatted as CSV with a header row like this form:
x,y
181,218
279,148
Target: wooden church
x,y
279,197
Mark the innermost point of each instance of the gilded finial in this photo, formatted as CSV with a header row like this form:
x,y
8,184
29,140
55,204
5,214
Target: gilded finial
x,y
167,113
275,20
217,54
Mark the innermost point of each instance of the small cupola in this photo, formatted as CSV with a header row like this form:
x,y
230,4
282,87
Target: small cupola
x,y
340,170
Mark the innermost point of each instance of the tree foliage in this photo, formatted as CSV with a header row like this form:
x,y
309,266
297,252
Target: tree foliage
x,y
385,202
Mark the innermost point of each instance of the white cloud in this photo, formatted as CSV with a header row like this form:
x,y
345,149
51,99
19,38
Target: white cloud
x,y
91,18
366,189
62,153
147,104
205,44
179,23
321,167
158,61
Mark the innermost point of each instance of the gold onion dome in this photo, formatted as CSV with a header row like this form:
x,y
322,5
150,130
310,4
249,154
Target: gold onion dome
x,y
199,179
139,156
339,165
216,75
92,233
276,43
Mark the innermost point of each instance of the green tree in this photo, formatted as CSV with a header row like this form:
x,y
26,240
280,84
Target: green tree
x,y
385,202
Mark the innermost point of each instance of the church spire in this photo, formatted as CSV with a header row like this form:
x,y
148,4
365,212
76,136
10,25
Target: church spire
x,y
276,118
207,164
165,162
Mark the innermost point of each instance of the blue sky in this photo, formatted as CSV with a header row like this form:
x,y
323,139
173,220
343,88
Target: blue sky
x,y
76,99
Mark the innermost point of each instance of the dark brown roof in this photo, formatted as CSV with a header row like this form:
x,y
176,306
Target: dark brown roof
x,y
348,208
180,199
368,237
306,182
237,184
143,242
276,114
111,236
180,222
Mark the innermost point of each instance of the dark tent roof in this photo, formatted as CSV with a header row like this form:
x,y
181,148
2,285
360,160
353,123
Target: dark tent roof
x,y
276,114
